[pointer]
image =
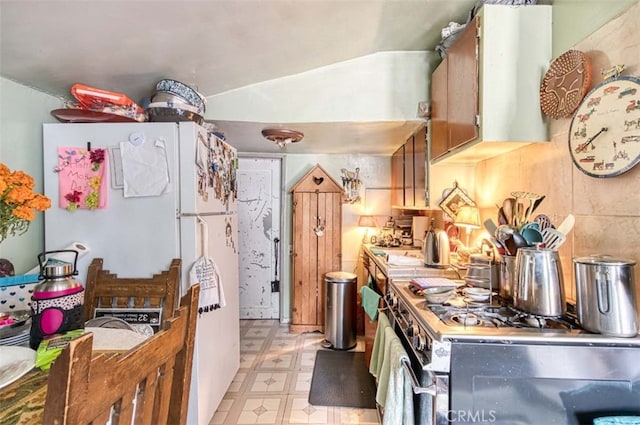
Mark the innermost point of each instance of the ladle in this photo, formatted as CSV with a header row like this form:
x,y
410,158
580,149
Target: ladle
x,y
519,241
531,235
504,235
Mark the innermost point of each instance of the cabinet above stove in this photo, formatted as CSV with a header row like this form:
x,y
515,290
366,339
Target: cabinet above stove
x,y
485,93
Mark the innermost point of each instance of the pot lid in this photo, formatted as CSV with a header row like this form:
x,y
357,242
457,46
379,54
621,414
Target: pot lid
x,y
55,268
605,260
338,277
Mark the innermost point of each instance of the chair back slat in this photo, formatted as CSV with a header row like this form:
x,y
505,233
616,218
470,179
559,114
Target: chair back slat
x,y
106,290
148,384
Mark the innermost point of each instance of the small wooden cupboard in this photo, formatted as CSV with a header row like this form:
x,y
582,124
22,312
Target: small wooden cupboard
x,y
317,247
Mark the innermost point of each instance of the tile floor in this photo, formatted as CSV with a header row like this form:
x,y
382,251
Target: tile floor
x,y
272,385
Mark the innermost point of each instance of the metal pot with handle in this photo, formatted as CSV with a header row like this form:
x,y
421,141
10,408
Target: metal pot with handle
x,y
539,286
606,301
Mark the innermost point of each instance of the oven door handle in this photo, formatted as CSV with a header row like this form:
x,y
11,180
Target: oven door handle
x,y
415,385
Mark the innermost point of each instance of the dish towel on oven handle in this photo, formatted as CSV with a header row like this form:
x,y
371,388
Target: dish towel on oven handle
x,y
205,272
394,392
370,302
377,352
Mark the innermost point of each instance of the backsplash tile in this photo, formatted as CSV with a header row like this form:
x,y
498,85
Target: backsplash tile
x,y
607,211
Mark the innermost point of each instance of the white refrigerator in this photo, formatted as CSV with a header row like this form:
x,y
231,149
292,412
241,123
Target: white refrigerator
x,y
140,194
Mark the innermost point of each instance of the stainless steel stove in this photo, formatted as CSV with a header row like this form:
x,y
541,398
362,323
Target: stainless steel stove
x,y
487,362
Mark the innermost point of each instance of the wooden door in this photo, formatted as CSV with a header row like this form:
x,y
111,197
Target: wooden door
x,y
317,224
305,280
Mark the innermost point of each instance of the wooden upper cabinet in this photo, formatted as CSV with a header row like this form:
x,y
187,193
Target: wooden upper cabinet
x,y
408,172
487,87
420,167
439,124
397,177
454,94
462,86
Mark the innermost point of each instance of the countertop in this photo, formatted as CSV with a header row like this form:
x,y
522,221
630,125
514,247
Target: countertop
x,y
379,256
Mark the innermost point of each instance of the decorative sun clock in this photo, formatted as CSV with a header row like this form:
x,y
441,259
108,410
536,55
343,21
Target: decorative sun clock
x,y
604,135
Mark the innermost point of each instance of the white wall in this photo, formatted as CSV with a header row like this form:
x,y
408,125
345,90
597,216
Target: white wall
x,y
574,20
22,113
383,86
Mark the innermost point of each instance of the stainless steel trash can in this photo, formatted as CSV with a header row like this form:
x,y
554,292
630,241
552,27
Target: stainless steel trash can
x,y
340,310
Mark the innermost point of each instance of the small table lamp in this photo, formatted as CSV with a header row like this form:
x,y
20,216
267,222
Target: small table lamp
x,y
366,221
469,218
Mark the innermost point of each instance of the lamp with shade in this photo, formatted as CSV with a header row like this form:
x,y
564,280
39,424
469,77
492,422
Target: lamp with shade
x,y
469,218
367,221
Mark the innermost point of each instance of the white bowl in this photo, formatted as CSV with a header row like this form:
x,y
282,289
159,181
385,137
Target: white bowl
x,y
477,294
438,294
477,282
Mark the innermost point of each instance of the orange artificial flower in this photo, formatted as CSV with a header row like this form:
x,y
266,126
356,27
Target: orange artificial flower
x,y
18,202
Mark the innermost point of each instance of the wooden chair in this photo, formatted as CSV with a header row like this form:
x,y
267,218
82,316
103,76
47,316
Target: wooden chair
x,y
105,289
148,384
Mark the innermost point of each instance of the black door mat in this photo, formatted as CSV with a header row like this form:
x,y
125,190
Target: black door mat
x,y
342,378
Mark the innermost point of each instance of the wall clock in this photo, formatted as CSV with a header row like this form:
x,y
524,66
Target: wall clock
x,y
604,135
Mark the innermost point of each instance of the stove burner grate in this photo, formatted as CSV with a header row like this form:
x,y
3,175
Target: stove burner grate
x,y
467,319
498,316
527,320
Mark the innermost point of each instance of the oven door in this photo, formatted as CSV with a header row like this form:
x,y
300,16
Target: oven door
x,y
430,389
515,383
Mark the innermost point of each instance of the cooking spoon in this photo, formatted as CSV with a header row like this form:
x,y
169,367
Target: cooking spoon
x,y
508,207
520,213
567,224
502,217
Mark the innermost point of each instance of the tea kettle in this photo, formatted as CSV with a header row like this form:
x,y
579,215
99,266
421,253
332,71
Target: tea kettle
x,y
57,303
436,247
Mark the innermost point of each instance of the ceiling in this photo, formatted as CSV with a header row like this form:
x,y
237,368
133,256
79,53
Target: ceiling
x,y
217,46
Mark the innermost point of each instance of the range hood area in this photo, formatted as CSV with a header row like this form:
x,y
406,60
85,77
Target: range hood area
x,y
370,102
